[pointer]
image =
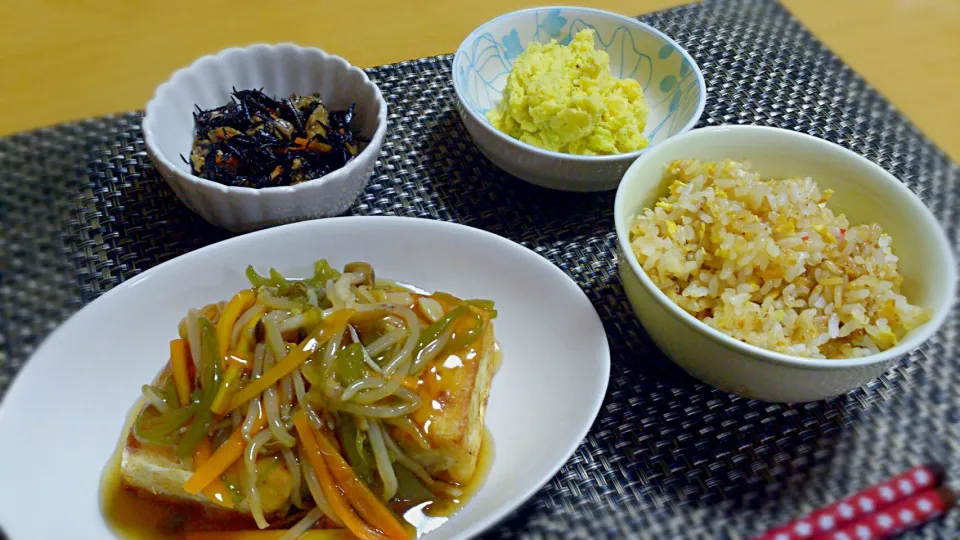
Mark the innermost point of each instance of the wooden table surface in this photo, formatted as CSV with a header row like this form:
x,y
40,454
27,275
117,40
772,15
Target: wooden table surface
x,y
68,59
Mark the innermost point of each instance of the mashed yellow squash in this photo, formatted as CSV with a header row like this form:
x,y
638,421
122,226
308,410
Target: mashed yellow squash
x,y
563,98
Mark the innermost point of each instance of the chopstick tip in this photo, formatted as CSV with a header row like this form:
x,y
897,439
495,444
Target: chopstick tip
x,y
948,496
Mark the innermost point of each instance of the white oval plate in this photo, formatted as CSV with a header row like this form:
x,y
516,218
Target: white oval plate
x,y
62,418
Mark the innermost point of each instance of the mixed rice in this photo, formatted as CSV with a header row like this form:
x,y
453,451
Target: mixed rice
x,y
768,263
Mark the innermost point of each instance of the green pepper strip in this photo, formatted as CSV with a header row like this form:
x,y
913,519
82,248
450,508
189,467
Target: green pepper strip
x,y
152,437
349,365
278,281
409,487
482,304
354,448
432,332
209,385
169,392
311,369
466,337
486,305
160,430
256,279
323,272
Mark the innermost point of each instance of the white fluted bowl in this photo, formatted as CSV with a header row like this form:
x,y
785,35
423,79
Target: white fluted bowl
x,y
280,70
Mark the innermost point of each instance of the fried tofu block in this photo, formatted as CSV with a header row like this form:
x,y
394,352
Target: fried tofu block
x,y
157,472
455,392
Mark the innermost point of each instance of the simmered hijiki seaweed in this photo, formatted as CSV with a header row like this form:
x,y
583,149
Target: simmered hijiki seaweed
x,y
257,141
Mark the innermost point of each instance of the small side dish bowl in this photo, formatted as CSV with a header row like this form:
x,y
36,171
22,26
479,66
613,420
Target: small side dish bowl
x,y
863,191
280,70
672,84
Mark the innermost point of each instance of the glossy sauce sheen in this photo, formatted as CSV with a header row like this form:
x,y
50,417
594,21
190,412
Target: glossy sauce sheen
x,y
442,376
134,515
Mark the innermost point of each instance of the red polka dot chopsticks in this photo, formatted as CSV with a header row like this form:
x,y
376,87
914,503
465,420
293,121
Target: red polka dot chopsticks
x,y
881,511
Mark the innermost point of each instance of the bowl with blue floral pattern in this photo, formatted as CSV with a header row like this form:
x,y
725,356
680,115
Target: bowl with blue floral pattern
x,y
672,84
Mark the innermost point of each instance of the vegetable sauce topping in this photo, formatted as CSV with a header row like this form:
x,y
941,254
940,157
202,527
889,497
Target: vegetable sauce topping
x,y
339,401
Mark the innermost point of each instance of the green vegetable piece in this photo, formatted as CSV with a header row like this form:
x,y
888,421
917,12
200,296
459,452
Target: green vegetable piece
x,y
432,332
486,305
355,448
153,437
463,338
209,361
278,281
409,487
169,392
209,385
234,483
256,279
202,421
322,272
312,370
161,430
482,304
349,365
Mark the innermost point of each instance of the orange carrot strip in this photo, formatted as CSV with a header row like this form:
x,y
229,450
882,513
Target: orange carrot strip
x,y
216,491
330,490
230,161
237,305
333,325
229,386
178,365
223,458
366,503
319,534
303,144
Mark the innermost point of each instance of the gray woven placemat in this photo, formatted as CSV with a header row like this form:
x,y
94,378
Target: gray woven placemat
x,y
667,457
